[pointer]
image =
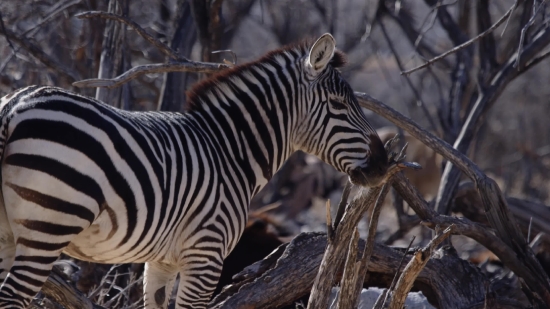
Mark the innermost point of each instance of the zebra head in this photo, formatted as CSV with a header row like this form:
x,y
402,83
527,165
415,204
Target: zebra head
x,y
334,127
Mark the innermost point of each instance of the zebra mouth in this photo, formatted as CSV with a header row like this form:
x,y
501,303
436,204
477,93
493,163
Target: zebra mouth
x,y
365,177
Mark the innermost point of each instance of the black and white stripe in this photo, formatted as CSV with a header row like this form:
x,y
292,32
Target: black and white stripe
x,y
168,189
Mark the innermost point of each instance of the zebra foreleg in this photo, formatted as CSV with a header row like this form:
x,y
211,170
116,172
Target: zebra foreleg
x,y
158,284
7,254
198,281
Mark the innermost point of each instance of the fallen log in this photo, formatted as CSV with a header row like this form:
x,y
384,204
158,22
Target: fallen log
x,y
288,274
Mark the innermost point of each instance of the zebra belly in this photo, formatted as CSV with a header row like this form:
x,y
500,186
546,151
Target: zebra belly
x,y
93,243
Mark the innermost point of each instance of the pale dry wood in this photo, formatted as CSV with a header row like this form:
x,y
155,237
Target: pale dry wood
x,y
334,256
413,269
347,296
367,252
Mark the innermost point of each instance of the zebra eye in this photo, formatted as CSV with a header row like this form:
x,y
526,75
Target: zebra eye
x,y
337,104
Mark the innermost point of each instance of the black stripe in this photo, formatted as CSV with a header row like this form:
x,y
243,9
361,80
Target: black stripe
x,y
50,228
53,203
40,245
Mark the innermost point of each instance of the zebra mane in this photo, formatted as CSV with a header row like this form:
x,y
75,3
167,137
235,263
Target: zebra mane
x,y
197,95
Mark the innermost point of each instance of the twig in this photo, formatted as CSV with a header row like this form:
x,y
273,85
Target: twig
x,y
4,30
409,82
191,66
231,52
414,267
342,204
524,30
39,54
465,44
395,277
330,230
60,7
165,49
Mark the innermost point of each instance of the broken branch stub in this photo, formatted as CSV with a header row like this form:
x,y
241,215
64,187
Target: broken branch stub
x,y
336,250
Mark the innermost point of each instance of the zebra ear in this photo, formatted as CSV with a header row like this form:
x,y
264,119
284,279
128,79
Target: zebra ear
x,y
321,52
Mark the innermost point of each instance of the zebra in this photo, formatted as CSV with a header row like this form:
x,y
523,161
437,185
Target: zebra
x,y
170,190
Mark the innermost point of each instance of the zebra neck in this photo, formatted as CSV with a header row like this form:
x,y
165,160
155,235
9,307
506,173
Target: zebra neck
x,y
250,136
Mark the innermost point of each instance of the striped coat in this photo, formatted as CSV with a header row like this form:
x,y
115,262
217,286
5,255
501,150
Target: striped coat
x,y
167,189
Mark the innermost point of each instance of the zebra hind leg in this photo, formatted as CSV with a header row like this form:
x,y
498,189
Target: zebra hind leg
x,y
158,284
40,235
198,281
7,245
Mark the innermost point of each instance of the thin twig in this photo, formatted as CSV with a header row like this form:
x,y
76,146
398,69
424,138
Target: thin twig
x,y
414,267
396,275
409,82
4,30
524,30
165,49
342,204
330,230
191,66
463,45
38,53
59,9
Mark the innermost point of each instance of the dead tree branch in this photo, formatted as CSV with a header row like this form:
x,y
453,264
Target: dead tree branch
x,y
465,44
191,66
289,272
57,289
40,55
495,205
165,49
413,269
336,248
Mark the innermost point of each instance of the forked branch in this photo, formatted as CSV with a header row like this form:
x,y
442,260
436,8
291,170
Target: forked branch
x,y
180,64
465,44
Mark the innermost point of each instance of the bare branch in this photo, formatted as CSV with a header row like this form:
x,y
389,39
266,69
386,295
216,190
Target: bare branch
x,y
409,82
465,44
39,54
59,8
413,269
165,49
57,289
524,30
190,66
3,30
347,297
335,252
496,208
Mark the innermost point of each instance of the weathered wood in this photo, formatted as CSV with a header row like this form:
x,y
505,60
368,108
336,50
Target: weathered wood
x,y
347,296
59,290
336,249
447,281
367,252
413,268
111,53
495,206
